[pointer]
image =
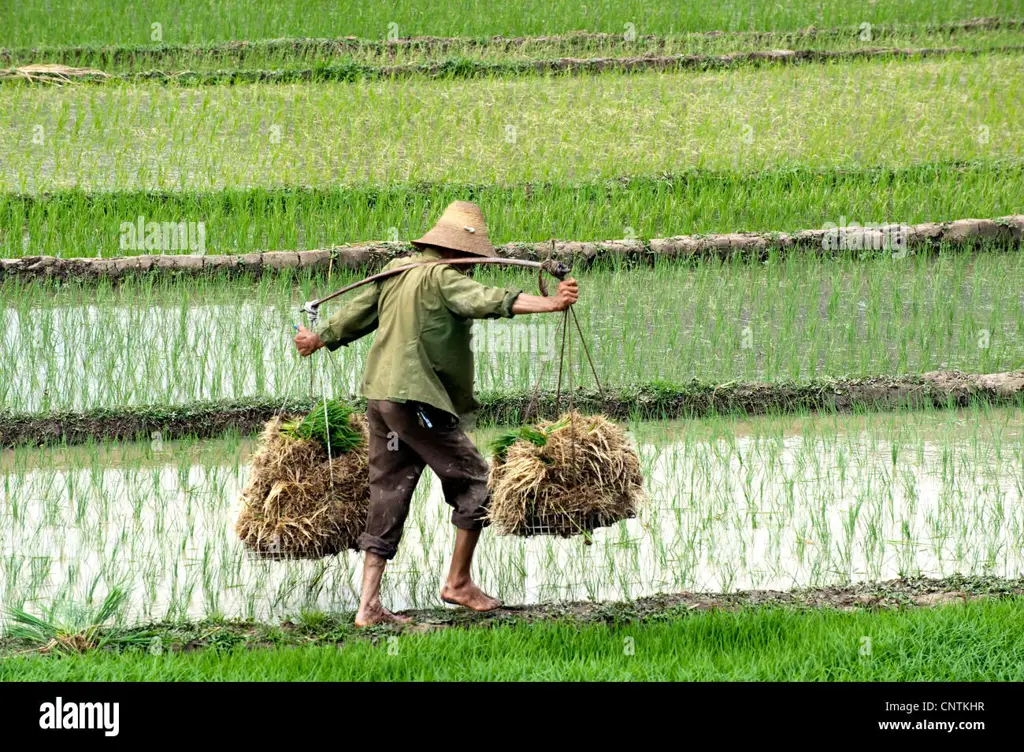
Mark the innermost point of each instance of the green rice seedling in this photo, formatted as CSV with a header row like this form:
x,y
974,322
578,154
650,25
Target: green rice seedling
x,y
67,23
534,434
75,631
734,503
327,423
368,132
692,201
500,444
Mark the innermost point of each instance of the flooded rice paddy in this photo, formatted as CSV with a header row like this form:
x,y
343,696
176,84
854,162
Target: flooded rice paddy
x,y
765,503
143,343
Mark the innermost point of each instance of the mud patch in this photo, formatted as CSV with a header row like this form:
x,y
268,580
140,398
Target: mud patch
x,y
899,593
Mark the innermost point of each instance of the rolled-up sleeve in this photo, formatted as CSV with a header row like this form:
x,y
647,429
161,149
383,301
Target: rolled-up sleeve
x,y
357,318
470,299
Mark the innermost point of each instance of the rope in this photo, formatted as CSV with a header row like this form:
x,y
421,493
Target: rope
x,y
565,365
533,406
572,404
312,399
312,392
583,341
561,366
327,426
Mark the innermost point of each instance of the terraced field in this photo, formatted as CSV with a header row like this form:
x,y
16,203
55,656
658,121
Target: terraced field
x,y
308,126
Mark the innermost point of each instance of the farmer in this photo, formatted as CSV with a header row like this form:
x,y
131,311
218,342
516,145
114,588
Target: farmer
x,y
418,381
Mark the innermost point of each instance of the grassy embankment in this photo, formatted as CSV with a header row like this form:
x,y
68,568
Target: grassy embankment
x,y
353,59
975,641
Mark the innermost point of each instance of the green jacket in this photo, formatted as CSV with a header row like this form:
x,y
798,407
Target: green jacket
x,y
424,321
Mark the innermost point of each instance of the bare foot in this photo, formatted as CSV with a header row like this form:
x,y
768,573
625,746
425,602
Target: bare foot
x,y
470,596
371,615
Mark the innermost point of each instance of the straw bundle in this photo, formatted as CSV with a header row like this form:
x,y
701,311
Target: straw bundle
x,y
300,503
51,73
564,477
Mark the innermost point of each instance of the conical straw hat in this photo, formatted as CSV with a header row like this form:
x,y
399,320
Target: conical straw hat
x,y
460,228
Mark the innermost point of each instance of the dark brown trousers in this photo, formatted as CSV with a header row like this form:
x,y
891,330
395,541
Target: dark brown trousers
x,y
401,445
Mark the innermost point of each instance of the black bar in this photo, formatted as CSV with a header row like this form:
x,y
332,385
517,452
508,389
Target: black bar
x,y
298,714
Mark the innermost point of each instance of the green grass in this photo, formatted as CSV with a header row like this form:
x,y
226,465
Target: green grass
x,y
85,223
123,22
553,129
974,642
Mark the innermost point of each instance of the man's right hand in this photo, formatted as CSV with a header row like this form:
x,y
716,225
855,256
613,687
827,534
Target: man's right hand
x,y
567,294
307,342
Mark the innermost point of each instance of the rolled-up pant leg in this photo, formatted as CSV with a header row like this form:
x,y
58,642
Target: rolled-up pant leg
x,y
448,451
393,477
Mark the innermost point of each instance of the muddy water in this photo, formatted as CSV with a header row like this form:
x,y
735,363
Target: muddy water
x,y
766,504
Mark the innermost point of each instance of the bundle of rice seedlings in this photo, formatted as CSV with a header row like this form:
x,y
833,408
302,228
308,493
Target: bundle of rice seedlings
x,y
563,477
303,501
